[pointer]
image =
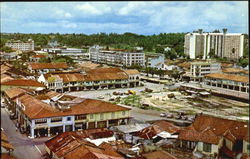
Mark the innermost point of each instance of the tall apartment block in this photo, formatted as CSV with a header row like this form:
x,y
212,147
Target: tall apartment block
x,y
229,45
19,45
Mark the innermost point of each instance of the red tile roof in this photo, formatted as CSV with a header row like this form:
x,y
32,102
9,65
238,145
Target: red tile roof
x,y
209,129
15,92
72,145
4,142
156,128
23,82
35,109
36,66
235,70
231,77
93,75
160,154
132,72
7,156
38,56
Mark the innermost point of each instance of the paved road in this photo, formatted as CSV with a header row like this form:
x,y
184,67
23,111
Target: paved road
x,y
24,148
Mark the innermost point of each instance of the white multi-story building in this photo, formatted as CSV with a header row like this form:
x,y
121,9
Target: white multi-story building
x,y
199,69
202,45
117,57
23,46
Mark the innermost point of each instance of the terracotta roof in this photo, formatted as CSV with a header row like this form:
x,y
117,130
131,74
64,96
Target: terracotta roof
x,y
38,56
35,109
156,128
132,72
235,70
92,75
5,78
23,82
72,145
223,64
15,92
36,66
205,129
160,154
231,77
184,64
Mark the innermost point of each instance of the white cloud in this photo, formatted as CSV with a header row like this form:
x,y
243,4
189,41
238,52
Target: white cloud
x,y
93,9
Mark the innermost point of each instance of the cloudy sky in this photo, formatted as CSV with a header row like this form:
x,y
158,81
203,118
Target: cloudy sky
x,y
138,17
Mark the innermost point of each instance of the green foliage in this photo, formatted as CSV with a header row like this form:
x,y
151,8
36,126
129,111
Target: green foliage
x,y
6,49
159,49
120,41
243,62
170,54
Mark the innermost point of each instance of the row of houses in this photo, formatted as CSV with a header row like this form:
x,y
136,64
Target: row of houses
x,y
99,78
206,137
52,113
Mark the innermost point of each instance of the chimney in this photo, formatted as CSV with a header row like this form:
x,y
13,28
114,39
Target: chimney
x,y
224,30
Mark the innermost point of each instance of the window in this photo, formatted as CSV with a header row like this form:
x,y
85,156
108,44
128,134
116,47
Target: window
x,y
80,117
40,121
113,115
68,118
123,113
207,147
57,119
101,116
248,146
91,116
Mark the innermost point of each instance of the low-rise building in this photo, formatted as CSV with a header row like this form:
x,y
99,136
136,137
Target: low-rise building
x,y
99,78
42,68
53,113
117,57
215,137
36,58
236,71
71,145
227,84
23,46
22,83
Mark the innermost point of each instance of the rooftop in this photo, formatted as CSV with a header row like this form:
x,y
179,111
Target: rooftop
x,y
58,65
160,154
235,70
231,77
72,145
23,82
210,129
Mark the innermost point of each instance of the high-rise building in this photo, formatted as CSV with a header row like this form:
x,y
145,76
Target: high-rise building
x,y
23,46
205,45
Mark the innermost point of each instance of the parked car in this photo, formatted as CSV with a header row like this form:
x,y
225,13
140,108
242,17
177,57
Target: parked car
x,y
163,115
100,97
3,105
170,115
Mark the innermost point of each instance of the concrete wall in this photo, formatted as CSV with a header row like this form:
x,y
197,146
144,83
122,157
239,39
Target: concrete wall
x,y
245,145
214,149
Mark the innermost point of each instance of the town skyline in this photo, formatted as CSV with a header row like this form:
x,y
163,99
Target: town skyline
x,y
143,18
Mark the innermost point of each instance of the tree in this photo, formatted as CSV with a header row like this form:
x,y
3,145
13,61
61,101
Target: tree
x,y
243,62
159,49
6,49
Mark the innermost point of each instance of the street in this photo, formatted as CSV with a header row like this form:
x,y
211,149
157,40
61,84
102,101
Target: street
x,y
24,148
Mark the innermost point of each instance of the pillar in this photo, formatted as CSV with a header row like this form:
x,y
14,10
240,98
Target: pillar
x,y
63,128
73,127
96,124
107,125
77,88
32,133
87,125
48,131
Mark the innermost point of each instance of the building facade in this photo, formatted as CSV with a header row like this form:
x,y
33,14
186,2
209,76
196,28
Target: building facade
x,y
204,45
101,78
53,113
23,46
199,69
227,84
117,57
